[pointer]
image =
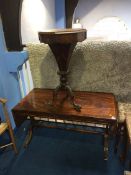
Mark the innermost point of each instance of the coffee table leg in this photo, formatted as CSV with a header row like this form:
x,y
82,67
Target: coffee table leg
x,y
28,137
29,134
106,145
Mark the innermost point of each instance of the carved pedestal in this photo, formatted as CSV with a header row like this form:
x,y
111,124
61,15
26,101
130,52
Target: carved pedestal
x,y
62,44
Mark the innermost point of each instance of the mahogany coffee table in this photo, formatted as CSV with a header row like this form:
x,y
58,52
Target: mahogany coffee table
x,y
97,108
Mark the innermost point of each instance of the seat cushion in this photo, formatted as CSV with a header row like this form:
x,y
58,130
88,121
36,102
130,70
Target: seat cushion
x,y
124,109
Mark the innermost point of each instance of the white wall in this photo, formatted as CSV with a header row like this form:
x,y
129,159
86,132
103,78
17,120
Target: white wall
x,y
91,11
36,15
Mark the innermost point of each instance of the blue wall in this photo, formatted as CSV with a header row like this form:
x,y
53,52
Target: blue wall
x,y
60,13
9,85
11,61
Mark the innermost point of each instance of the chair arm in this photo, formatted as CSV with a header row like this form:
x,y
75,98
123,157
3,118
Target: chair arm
x,y
3,100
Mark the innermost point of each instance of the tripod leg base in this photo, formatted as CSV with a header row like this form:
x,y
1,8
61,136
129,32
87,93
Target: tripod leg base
x,y
69,95
77,107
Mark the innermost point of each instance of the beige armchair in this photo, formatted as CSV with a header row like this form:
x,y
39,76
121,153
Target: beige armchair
x,y
4,126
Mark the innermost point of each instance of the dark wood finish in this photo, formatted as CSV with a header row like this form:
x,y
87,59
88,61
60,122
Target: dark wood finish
x,y
62,36
11,17
69,11
96,107
62,43
124,137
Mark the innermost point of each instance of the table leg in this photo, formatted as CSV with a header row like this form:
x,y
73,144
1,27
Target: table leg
x,y
76,106
69,95
29,134
119,135
126,150
28,138
106,144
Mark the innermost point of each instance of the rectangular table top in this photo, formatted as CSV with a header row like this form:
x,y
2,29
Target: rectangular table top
x,y
95,106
